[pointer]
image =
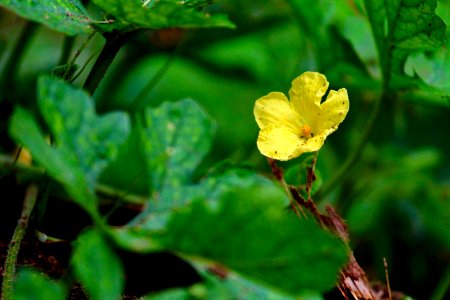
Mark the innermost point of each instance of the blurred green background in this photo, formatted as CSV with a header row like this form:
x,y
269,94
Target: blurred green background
x,y
394,198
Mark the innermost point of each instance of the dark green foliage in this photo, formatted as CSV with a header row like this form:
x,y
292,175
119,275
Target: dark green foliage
x,y
167,143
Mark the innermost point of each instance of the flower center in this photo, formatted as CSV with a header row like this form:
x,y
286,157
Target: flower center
x,y
306,131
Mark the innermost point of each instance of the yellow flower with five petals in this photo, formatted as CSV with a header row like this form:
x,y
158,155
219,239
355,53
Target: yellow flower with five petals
x,y
290,128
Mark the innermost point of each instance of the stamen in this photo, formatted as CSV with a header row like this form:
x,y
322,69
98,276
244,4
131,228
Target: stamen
x,y
306,131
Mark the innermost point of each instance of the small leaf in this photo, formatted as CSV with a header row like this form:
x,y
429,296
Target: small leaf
x,y
250,232
432,68
214,186
33,285
26,132
98,267
176,137
411,26
85,143
66,16
93,141
162,14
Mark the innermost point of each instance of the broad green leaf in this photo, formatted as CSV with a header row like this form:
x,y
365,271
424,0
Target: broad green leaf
x,y
97,266
251,232
131,157
162,14
140,235
91,140
175,139
411,26
85,143
66,16
25,131
31,284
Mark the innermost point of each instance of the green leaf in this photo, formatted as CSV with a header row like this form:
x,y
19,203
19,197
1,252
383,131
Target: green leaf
x,y
412,26
140,234
251,232
131,157
214,186
229,285
25,131
85,143
162,14
91,140
66,16
175,139
31,284
97,266
432,68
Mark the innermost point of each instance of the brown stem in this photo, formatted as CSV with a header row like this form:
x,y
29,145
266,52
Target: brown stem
x,y
353,282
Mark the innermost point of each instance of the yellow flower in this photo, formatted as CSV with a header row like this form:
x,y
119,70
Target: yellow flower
x,y
290,128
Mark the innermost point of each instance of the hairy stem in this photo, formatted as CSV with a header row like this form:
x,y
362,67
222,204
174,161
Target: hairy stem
x,y
294,198
14,246
352,279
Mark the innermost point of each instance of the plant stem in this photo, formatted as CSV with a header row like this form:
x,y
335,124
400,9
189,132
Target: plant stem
x,y
14,246
114,42
352,279
294,198
310,175
66,48
13,62
76,55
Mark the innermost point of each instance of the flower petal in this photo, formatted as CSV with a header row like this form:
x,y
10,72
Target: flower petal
x,y
334,110
274,109
279,143
306,93
312,144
